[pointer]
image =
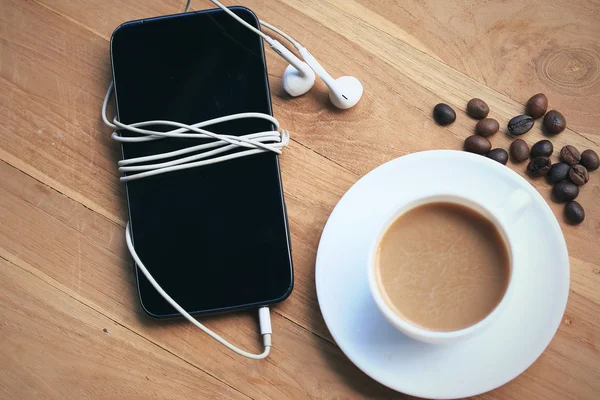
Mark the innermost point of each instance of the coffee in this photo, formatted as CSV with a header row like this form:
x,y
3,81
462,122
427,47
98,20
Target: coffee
x,y
442,266
520,124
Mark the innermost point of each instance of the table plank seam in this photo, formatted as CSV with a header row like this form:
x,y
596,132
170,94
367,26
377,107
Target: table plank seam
x,y
47,181
14,261
434,59
85,27
3,255
326,158
306,329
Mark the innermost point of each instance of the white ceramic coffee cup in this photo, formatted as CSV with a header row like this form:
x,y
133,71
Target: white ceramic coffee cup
x,y
502,216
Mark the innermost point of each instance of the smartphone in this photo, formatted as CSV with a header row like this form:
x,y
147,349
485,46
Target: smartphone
x,y
216,238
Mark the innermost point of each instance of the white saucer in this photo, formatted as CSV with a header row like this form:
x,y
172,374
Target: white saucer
x,y
473,366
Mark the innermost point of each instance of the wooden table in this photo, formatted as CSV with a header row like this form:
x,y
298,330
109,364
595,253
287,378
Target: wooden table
x,y
71,326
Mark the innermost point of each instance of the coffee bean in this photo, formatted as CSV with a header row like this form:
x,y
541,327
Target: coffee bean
x,y
555,122
499,155
536,106
558,172
590,160
519,151
570,155
542,148
477,108
487,127
579,175
444,114
520,124
565,191
539,166
477,144
574,212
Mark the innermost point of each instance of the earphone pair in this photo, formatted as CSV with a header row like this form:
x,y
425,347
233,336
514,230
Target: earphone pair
x,y
299,76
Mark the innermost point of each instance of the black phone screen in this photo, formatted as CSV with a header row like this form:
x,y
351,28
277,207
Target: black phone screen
x,y
214,237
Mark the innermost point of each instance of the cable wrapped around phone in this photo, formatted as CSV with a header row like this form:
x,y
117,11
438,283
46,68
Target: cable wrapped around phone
x,y
205,154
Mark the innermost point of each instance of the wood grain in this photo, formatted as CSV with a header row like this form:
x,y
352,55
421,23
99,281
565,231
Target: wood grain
x,y
62,208
56,346
84,252
517,48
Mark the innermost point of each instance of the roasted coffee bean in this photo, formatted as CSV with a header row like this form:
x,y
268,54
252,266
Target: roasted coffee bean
x,y
487,127
520,124
565,191
477,108
590,160
499,155
574,212
444,114
554,122
579,175
519,151
542,148
477,144
570,155
537,106
539,166
558,172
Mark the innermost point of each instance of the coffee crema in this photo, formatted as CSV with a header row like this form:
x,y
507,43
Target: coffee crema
x,y
442,266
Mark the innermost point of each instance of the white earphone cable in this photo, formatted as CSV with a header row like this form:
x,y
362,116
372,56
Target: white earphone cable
x,y
267,38
253,29
255,143
226,143
264,318
281,33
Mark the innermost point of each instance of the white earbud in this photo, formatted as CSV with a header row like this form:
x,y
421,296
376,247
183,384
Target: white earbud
x,y
298,77
344,92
